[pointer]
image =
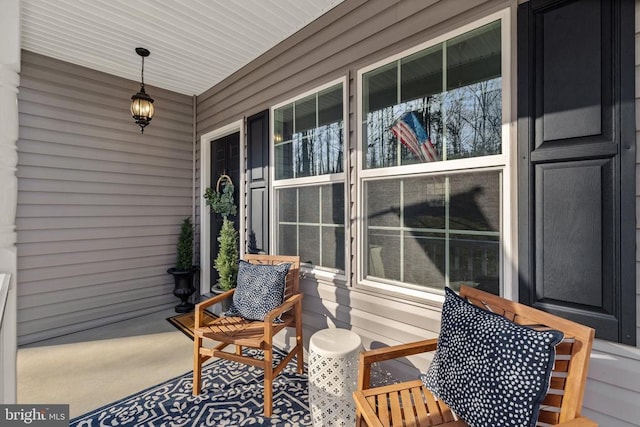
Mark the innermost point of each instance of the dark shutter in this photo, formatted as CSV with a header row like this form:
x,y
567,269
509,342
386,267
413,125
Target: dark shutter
x,y
576,146
258,183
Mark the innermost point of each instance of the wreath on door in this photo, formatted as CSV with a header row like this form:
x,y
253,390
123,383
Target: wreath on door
x,y
221,201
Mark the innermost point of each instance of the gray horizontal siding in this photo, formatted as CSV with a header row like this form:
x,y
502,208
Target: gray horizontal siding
x,y
99,205
355,34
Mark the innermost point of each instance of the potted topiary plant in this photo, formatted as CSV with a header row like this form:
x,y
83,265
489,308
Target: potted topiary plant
x,y
184,270
226,262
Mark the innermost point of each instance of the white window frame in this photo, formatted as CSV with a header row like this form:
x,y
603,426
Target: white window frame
x,y
496,162
327,273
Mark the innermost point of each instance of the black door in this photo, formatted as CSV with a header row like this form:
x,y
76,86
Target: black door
x,y
225,159
576,151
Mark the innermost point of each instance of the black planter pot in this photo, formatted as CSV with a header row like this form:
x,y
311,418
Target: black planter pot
x,y
224,304
183,288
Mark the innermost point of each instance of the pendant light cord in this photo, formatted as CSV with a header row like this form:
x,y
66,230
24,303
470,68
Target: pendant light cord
x,y
142,73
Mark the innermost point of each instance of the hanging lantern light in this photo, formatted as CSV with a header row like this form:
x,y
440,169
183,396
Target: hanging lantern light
x,y
142,104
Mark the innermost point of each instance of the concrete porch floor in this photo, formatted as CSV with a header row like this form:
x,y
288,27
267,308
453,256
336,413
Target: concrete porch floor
x,y
92,368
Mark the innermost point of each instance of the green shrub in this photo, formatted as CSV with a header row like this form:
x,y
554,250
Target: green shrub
x,y
226,262
185,246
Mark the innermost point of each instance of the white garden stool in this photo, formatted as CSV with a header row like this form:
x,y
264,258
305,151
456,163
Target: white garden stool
x,y
333,373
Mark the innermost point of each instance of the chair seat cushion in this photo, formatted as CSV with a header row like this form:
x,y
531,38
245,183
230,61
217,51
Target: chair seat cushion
x,y
487,369
260,289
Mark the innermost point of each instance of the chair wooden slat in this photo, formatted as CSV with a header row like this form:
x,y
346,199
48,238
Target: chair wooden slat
x,y
553,400
239,332
549,417
562,403
382,407
395,410
557,383
435,413
408,412
422,415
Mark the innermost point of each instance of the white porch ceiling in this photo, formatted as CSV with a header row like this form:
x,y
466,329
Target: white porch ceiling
x,y
194,44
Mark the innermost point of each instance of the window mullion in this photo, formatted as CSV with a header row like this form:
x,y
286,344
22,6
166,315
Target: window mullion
x,y
402,230
298,221
398,100
320,227
447,234
443,102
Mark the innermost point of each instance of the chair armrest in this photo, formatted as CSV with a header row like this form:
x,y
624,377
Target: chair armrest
x,y
367,358
288,304
579,422
365,411
199,309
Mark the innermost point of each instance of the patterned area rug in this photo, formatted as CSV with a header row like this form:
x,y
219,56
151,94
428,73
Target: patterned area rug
x,y
232,395
184,322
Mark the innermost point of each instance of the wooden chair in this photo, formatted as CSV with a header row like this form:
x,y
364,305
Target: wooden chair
x,y
253,334
411,404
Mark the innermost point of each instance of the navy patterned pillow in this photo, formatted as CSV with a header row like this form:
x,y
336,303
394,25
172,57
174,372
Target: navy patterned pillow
x,y
260,289
489,370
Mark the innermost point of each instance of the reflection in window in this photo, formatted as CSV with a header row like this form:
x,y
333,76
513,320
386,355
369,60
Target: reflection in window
x,y
433,231
308,135
450,92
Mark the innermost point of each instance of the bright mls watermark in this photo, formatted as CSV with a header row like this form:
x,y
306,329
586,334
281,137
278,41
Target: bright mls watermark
x,y
34,415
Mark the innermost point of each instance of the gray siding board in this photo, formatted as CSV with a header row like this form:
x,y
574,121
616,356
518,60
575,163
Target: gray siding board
x,y
57,186
97,222
99,205
78,281
81,258
59,162
69,117
37,236
102,177
616,407
123,134
46,248
161,262
151,283
100,199
125,142
32,211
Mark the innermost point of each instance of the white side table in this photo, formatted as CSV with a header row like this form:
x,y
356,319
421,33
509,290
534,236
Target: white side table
x,y
333,374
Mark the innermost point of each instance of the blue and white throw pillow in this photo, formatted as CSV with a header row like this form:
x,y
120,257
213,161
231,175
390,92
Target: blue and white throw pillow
x,y
260,289
488,370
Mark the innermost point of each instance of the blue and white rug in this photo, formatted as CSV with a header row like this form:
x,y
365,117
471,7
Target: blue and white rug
x,y
232,395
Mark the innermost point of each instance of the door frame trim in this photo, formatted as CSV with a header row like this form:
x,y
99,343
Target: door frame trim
x,y
205,177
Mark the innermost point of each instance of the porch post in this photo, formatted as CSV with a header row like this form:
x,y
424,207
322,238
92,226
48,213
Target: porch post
x,y
9,81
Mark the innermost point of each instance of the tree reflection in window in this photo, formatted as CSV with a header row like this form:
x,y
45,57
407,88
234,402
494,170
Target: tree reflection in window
x,y
460,108
308,135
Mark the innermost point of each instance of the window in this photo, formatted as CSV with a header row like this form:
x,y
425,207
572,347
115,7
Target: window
x,y
308,144
431,173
